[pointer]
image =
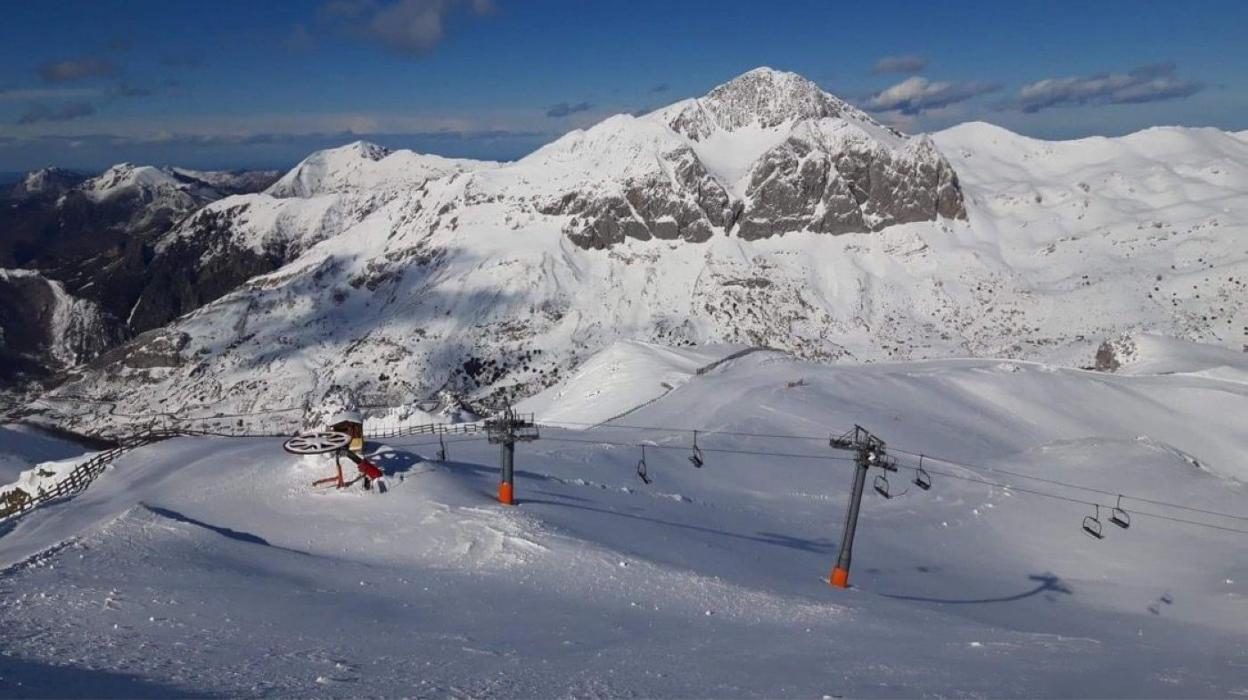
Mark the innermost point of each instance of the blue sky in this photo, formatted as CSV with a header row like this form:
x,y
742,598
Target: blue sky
x,y
259,84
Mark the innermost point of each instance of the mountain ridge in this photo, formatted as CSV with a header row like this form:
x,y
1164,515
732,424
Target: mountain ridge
x,y
496,281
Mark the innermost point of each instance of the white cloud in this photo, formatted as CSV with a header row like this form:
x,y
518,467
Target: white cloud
x,y
917,95
1149,83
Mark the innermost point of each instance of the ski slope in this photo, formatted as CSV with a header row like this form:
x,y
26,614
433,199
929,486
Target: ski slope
x,y
210,566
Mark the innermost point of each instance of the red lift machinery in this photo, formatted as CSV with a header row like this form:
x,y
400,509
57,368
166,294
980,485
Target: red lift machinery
x,y
338,443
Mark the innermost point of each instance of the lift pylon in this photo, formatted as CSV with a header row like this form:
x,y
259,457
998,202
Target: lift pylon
x,y
506,429
868,452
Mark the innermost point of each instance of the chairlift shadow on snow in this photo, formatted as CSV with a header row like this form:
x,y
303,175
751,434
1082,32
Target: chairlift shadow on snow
x,y
1047,585
1155,607
29,678
562,500
228,533
818,546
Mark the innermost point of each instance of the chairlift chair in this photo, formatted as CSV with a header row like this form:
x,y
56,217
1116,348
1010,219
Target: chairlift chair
x,y
921,478
1092,524
641,467
696,457
1118,516
881,486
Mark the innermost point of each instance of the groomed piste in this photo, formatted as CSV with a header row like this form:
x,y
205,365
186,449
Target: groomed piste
x,y
211,566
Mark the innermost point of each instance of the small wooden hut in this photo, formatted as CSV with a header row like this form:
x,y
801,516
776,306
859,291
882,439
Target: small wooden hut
x,y
351,423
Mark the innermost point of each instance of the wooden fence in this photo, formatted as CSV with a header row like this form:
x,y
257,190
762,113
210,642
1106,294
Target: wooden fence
x,y
18,501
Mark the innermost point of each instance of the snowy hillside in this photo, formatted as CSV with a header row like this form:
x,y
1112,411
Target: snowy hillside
x,y
177,189
211,566
236,238
45,182
363,167
767,213
1144,232
78,251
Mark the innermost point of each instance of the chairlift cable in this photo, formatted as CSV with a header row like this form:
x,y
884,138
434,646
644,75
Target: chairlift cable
x,y
704,431
947,474
1068,499
683,448
1066,484
774,436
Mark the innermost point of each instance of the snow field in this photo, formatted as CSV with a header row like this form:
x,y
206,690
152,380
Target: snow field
x,y
191,555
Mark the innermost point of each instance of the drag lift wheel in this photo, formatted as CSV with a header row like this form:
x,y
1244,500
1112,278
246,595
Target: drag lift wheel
x,y
317,443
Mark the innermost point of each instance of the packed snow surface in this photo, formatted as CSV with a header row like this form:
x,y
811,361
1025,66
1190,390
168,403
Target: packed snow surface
x,y
625,376
211,566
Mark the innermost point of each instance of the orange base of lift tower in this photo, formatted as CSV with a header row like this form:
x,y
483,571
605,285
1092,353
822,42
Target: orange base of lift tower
x,y
840,578
504,493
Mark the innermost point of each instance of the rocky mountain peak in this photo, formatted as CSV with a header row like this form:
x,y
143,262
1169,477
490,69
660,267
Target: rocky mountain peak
x,y
45,182
126,176
765,154
359,149
762,98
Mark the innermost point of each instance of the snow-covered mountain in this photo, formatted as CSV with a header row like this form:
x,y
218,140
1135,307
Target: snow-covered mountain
x,y
236,238
797,158
45,182
764,154
57,218
364,167
765,213
84,243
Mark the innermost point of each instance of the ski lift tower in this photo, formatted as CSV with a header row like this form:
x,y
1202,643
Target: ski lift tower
x,y
868,452
506,429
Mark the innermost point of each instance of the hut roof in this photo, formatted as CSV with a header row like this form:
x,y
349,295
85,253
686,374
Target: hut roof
x,y
346,417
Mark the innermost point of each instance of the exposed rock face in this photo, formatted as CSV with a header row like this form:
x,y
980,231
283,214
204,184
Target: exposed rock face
x,y
762,155
803,186
44,330
160,348
687,204
198,268
1113,353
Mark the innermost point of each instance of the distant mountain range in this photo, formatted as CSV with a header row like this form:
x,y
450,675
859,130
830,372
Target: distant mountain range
x,y
767,212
